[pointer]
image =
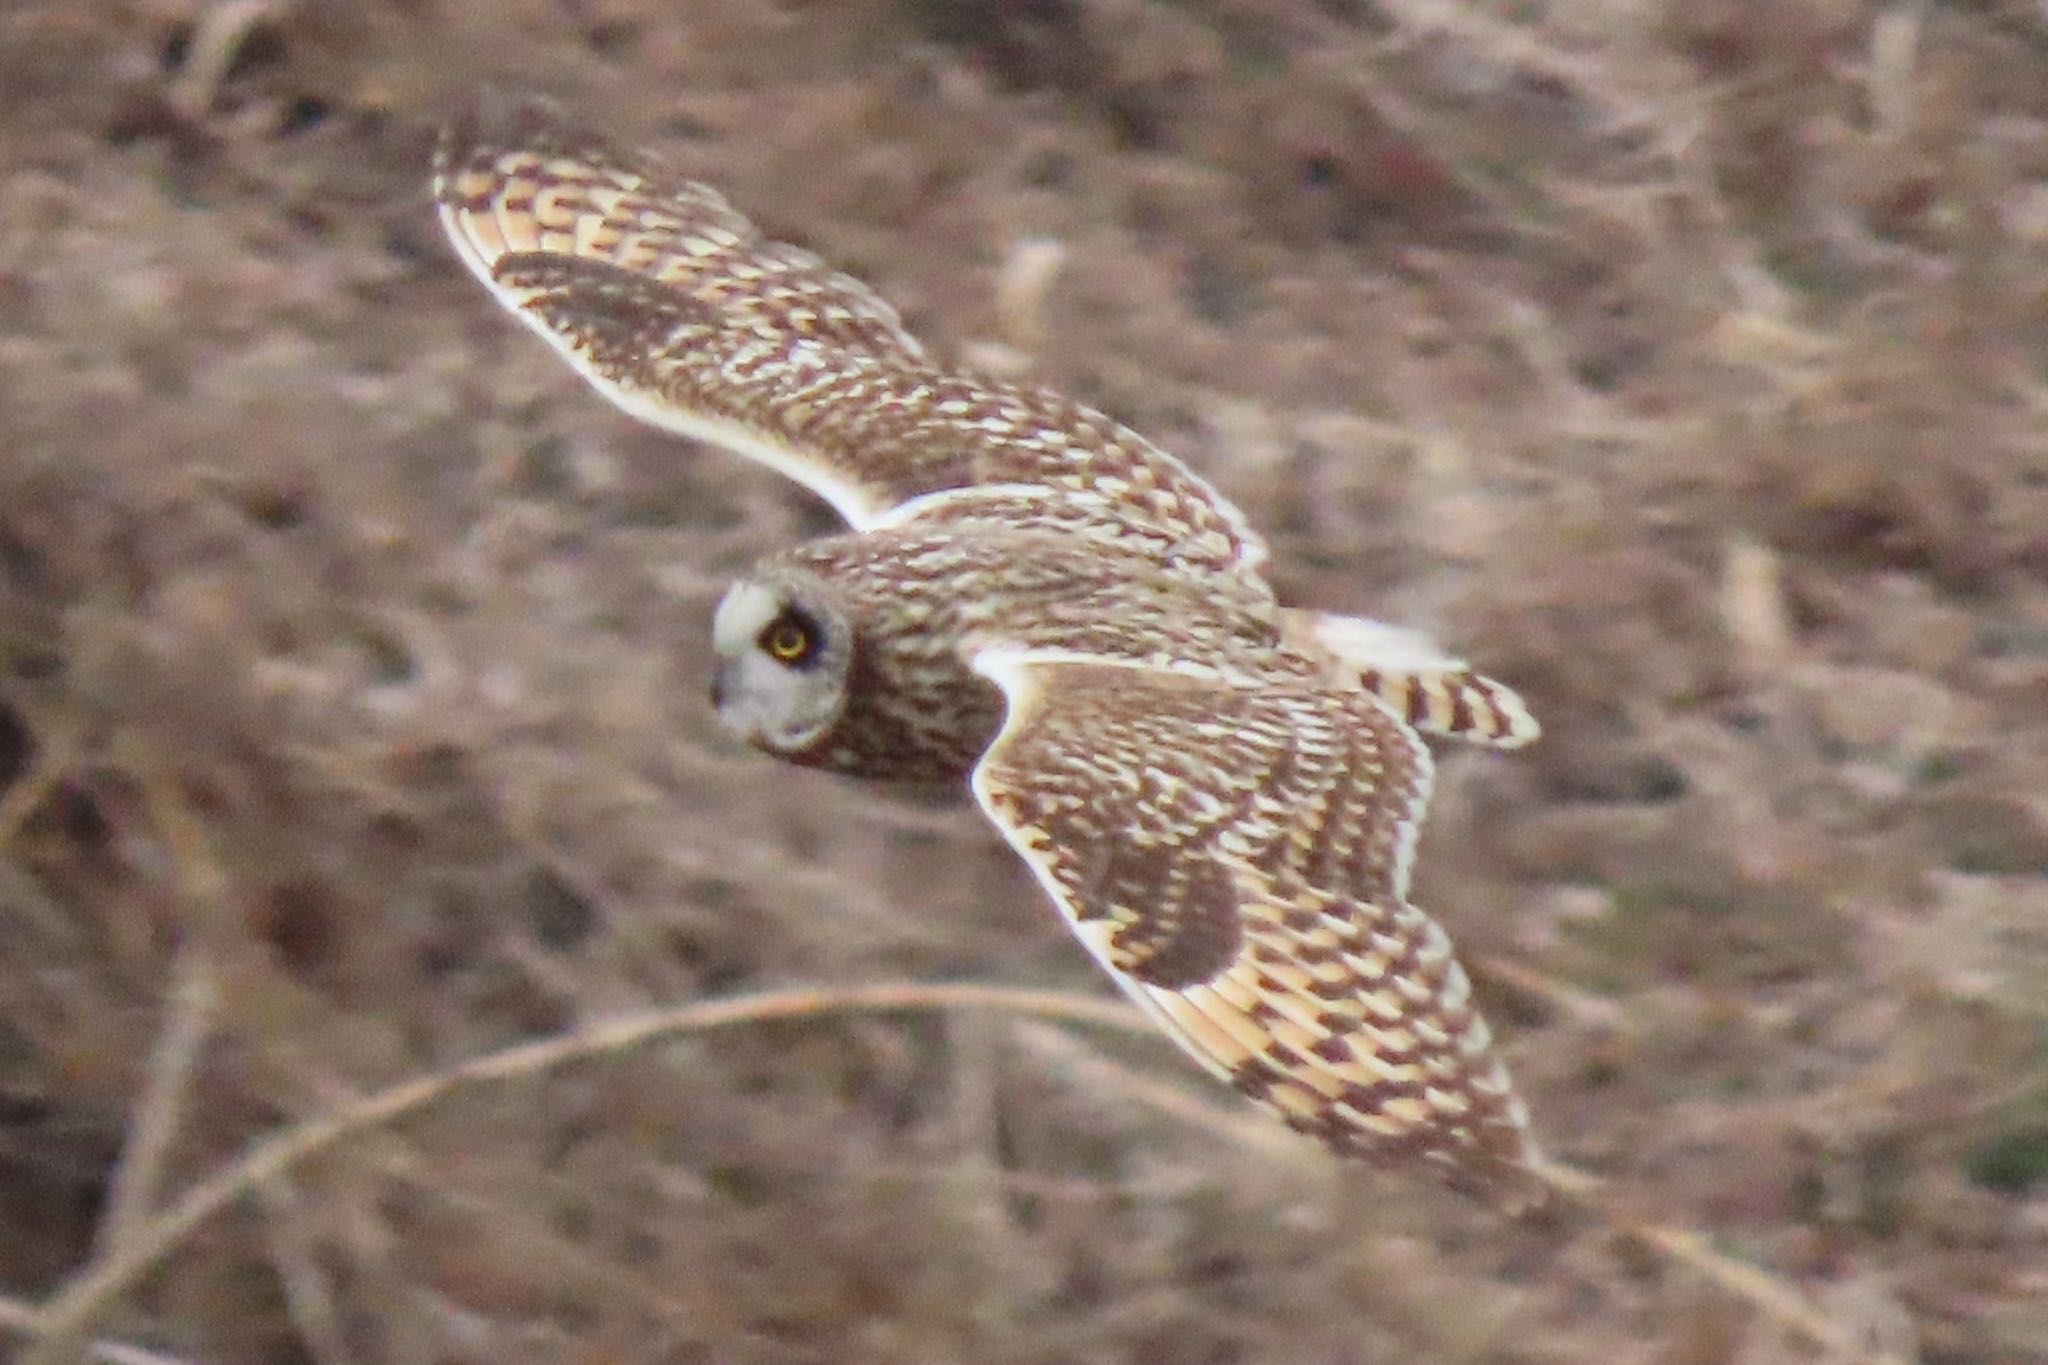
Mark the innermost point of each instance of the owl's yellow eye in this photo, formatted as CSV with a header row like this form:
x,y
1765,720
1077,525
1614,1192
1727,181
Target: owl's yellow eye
x,y
788,642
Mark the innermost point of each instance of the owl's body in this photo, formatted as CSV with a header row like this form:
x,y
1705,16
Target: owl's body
x,y
1221,793
922,599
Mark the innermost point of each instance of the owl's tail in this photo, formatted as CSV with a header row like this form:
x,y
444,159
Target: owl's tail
x,y
1436,693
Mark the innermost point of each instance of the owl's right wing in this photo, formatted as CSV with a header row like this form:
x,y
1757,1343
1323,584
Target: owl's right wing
x,y
1235,852
680,311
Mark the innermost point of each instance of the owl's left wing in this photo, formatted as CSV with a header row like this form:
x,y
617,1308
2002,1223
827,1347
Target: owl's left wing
x,y
1235,851
684,314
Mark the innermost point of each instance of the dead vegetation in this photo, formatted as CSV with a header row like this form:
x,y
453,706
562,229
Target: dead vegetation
x,y
1688,364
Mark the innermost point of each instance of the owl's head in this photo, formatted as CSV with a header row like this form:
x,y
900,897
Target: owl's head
x,y
783,650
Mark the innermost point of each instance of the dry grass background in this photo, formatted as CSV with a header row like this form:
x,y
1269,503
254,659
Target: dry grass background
x,y
1686,363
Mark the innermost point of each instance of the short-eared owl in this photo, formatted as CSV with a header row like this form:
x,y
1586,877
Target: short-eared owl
x,y
1222,794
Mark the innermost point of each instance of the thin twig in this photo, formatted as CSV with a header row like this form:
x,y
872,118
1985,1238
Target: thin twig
x,y
1104,1076
216,40
160,1109
19,1318
92,1293
1021,287
1582,1008
1770,1296
195,994
1763,1291
307,1296
976,1155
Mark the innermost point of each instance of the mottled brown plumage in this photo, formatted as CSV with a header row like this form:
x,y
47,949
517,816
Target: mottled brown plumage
x,y
1221,793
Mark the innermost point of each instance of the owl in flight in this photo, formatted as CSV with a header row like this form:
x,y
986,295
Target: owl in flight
x,y
1220,793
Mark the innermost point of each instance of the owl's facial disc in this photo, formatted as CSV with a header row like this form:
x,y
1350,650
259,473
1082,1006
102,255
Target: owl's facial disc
x,y
782,654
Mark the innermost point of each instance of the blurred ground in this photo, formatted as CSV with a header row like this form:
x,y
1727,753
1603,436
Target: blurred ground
x,y
1685,364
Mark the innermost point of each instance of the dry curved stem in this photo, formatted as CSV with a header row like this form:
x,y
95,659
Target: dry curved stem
x,y
218,36
16,1316
1583,1009
1771,1297
166,1096
174,1061
89,1295
1768,1294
